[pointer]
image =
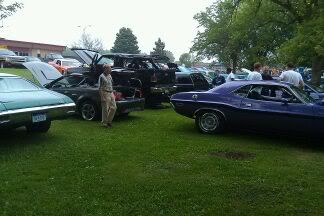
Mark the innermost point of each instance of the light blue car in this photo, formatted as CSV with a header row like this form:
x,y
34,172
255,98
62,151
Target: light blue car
x,y
22,103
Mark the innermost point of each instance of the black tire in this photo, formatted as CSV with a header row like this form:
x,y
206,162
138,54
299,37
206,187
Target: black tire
x,y
210,122
41,127
89,111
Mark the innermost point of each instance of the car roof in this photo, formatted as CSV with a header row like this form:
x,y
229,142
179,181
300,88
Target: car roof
x,y
7,75
231,86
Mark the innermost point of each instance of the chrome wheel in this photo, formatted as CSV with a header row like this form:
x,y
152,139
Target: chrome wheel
x,y
209,122
88,111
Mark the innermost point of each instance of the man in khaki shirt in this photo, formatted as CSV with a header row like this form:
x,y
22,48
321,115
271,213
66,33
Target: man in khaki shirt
x,y
108,104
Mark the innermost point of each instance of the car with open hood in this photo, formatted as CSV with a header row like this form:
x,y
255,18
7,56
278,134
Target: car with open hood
x,y
84,91
157,84
269,106
22,103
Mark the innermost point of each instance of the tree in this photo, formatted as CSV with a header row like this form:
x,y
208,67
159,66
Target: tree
x,y
88,42
187,59
170,55
159,48
9,10
126,42
245,31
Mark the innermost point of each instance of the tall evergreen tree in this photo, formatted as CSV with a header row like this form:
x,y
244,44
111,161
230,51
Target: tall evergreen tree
x,y
159,48
126,42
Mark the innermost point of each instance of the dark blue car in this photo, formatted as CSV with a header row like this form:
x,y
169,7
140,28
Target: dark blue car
x,y
255,105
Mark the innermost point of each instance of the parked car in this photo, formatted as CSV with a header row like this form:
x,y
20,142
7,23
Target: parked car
x,y
22,103
255,105
8,58
52,56
186,82
31,59
83,89
63,64
157,84
317,93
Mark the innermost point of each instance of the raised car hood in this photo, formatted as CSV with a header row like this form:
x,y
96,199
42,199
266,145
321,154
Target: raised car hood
x,y
43,72
87,56
20,100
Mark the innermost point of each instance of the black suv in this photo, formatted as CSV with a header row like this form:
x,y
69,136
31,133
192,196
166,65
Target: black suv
x,y
186,82
157,84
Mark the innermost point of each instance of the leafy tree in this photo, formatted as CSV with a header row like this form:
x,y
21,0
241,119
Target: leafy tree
x,y
159,48
187,59
88,42
170,55
126,42
8,10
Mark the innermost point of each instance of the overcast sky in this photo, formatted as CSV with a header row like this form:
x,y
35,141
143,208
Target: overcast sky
x,y
56,21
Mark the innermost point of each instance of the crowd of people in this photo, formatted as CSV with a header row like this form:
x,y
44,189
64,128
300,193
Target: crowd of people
x,y
263,73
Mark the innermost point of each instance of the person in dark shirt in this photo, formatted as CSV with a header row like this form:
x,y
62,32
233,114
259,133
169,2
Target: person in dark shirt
x,y
266,74
218,80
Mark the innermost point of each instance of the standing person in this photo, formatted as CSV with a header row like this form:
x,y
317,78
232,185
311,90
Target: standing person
x,y
292,76
231,75
108,104
266,74
256,74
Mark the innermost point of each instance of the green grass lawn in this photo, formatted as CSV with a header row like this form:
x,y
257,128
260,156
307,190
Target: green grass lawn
x,y
156,163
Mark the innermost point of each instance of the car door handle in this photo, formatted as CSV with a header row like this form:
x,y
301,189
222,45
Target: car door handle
x,y
66,92
248,105
74,94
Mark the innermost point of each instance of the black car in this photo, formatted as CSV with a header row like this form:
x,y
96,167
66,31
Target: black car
x,y
83,90
157,84
186,82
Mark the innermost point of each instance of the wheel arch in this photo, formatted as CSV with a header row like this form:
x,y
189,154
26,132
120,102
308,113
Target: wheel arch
x,y
200,110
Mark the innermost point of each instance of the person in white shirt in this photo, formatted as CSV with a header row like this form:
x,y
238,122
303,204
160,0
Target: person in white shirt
x,y
231,75
292,76
256,74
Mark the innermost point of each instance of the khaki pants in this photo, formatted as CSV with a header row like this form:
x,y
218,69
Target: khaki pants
x,y
108,106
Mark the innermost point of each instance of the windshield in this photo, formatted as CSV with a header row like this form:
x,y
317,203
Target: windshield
x,y
317,88
184,69
6,52
57,56
303,95
70,63
16,84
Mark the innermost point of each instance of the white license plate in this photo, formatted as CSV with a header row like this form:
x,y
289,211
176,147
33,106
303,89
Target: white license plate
x,y
38,117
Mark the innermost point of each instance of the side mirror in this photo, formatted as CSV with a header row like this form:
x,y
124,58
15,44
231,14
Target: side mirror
x,y
321,102
285,101
136,83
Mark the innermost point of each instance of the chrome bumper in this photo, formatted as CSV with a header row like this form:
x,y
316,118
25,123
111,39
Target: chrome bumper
x,y
20,117
163,90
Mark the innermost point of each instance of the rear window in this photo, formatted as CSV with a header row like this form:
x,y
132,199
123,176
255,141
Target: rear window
x,y
199,79
184,80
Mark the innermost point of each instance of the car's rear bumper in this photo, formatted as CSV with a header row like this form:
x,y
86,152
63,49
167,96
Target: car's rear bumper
x,y
21,117
162,94
130,105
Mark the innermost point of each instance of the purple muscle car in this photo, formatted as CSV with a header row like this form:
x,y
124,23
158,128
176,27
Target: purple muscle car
x,y
255,105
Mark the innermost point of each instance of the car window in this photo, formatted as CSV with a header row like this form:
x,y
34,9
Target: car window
x,y
184,80
271,93
68,81
303,95
243,91
198,79
16,84
105,60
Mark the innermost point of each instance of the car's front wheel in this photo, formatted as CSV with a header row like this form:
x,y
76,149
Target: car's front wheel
x,y
40,127
210,122
89,111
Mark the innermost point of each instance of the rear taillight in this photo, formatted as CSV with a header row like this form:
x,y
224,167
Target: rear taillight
x,y
118,96
153,78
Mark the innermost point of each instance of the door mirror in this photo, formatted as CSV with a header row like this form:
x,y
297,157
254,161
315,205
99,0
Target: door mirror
x,y
285,101
321,102
136,83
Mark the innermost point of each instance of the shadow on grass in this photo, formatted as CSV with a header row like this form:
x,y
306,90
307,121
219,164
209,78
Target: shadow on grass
x,y
289,140
20,137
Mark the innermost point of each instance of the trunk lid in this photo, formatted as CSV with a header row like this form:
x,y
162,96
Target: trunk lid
x,y
43,72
